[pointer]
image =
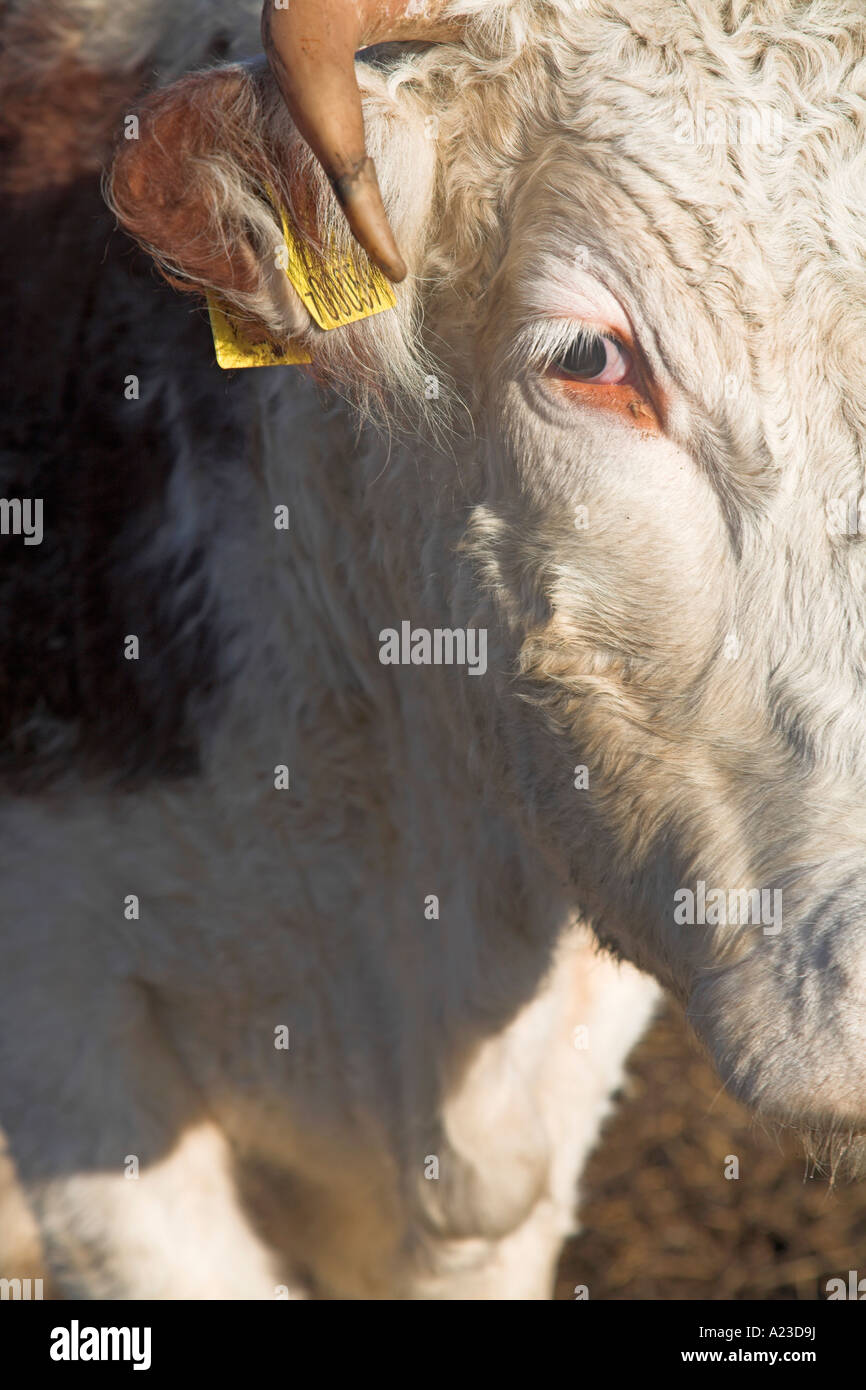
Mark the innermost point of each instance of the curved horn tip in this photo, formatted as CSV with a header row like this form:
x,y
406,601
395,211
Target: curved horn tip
x,y
360,198
311,46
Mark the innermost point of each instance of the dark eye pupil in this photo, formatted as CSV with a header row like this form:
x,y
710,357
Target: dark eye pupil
x,y
584,359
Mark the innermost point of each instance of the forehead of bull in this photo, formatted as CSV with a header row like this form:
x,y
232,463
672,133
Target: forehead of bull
x,y
713,176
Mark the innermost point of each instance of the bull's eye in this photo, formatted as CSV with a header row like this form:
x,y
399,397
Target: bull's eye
x,y
596,359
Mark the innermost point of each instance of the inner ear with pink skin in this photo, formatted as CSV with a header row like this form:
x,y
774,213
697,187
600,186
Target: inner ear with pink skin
x,y
191,189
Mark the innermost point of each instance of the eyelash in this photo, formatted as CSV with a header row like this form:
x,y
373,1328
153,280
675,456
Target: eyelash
x,y
615,368
553,339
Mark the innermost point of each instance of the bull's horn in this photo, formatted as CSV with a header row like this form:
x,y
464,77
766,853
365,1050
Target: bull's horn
x,y
311,47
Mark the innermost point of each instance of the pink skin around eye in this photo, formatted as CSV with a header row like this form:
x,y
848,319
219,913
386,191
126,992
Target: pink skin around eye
x,y
618,387
621,386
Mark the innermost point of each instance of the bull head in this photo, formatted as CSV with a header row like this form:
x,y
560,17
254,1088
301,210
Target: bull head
x,y
311,49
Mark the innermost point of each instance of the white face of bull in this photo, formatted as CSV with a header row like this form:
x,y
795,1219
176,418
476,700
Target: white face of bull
x,y
671,363
642,260
660,536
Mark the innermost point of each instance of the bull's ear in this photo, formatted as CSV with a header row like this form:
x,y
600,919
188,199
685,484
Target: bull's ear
x,y
191,189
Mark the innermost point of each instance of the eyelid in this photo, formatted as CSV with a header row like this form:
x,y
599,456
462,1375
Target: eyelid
x,y
595,332
541,342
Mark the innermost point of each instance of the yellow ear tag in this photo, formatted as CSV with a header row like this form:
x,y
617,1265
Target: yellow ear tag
x,y
335,289
335,292
234,350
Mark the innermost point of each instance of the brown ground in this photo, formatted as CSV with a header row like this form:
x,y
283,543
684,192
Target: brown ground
x,y
660,1219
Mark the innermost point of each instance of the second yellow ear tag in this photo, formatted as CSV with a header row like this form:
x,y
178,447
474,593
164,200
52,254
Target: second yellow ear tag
x,y
234,350
335,292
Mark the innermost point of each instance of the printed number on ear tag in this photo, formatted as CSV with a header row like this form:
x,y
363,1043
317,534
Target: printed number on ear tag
x,y
335,289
